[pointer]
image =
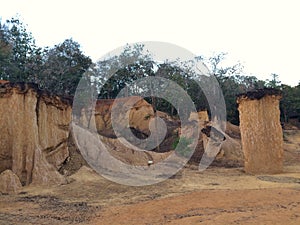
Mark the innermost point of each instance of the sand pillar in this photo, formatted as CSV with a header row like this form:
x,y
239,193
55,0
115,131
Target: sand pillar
x,y
261,131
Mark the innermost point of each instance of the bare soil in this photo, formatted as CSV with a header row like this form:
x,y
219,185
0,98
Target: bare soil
x,y
216,196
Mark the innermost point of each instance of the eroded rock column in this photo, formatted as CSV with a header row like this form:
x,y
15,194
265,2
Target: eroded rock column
x,y
34,130
261,131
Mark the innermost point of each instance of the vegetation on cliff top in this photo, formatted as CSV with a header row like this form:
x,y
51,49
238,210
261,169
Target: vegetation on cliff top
x,y
58,70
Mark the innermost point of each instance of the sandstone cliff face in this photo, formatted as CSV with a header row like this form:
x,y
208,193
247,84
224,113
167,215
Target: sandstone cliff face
x,y
139,115
230,151
34,130
130,112
261,131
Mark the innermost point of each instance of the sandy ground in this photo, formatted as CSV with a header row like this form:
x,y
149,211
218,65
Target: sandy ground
x,y
270,206
215,196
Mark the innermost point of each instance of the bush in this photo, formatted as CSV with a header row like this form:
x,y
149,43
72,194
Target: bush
x,y
181,146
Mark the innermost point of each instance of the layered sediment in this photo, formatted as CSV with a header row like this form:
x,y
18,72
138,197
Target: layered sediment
x,y
34,132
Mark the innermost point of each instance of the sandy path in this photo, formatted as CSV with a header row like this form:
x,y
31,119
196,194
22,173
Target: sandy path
x,y
261,206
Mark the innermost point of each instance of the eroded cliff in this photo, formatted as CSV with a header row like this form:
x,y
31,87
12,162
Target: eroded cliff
x,y
34,132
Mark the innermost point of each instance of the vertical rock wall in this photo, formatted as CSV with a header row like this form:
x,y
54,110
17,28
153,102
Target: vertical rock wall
x,y
34,130
261,132
99,119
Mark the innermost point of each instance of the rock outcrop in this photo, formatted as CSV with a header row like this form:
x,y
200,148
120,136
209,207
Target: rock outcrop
x,y
130,112
261,131
9,182
139,113
34,132
3,82
231,153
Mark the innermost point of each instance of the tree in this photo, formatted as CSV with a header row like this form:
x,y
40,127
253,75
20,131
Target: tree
x,y
274,82
230,81
63,67
116,73
215,62
290,102
18,52
5,52
183,73
57,70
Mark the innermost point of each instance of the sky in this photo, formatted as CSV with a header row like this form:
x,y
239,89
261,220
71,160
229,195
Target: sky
x,y
263,35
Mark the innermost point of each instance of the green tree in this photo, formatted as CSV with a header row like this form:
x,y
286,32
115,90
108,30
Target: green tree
x,y
57,70
19,54
5,52
132,63
63,67
230,81
274,82
290,103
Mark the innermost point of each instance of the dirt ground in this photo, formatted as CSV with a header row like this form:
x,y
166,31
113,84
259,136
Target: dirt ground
x,y
216,196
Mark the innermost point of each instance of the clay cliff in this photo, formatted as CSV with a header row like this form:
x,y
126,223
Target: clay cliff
x,y
139,113
130,112
34,132
35,135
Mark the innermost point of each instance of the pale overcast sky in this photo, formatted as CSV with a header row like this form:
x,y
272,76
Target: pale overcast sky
x,y
263,35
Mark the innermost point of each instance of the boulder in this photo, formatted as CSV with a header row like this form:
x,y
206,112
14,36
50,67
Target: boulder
x,y
9,182
43,172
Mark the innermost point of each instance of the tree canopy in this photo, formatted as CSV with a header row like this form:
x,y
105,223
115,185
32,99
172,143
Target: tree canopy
x,y
58,70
